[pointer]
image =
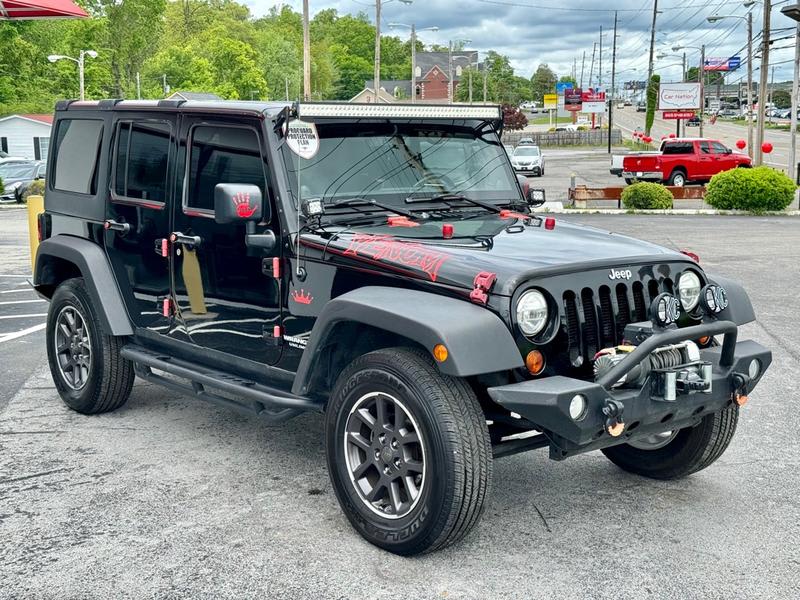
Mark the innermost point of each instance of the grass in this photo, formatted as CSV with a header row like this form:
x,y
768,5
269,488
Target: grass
x,y
545,120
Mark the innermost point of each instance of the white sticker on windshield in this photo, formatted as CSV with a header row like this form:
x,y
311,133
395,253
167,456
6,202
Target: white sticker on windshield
x,y
302,138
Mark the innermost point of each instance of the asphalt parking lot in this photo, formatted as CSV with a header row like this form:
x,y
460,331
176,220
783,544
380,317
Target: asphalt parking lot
x,y
172,498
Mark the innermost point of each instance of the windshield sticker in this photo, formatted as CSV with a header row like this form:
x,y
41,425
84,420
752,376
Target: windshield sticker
x,y
408,254
302,138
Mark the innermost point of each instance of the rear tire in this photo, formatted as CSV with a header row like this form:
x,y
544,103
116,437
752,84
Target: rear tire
x,y
677,179
87,370
413,475
691,450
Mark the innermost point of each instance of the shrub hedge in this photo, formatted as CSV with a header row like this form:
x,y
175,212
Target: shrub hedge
x,y
35,188
647,195
755,190
2,189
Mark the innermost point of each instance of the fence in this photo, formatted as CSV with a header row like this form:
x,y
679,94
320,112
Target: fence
x,y
594,137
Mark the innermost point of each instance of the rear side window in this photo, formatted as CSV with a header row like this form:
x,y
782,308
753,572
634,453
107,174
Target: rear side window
x,y
679,148
222,155
77,149
141,160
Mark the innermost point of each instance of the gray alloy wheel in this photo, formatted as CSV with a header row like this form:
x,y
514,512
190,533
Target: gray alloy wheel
x,y
73,347
654,441
385,455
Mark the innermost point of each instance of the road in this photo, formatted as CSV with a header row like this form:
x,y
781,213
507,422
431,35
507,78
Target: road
x,y
725,131
172,498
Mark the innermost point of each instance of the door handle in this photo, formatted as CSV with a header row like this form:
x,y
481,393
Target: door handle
x,y
123,228
189,241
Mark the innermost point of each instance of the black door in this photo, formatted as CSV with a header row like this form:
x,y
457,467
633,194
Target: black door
x,y
144,151
225,302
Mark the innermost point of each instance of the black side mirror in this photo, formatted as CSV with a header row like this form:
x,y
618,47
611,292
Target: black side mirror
x,y
238,202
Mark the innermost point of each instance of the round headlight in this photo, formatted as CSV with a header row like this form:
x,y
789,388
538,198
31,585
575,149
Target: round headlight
x,y
577,407
689,290
532,312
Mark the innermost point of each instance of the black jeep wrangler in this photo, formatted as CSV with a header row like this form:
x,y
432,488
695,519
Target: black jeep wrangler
x,y
382,265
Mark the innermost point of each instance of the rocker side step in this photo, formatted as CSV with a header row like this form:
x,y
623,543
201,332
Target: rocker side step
x,y
270,404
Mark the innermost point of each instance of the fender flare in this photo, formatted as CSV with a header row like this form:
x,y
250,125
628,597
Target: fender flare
x,y
740,309
476,338
90,259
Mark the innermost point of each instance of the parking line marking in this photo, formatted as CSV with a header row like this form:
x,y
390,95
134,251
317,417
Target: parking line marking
x,y
20,291
23,316
18,334
10,275
21,301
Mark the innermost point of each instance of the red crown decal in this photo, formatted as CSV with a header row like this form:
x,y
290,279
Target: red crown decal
x,y
302,297
241,200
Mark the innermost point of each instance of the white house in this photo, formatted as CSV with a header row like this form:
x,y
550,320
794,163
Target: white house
x,y
26,135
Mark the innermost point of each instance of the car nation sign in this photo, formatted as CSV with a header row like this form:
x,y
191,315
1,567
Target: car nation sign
x,y
679,96
594,101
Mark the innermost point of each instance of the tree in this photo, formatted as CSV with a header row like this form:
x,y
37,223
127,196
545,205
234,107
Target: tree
x,y
543,82
513,118
782,99
652,100
711,78
568,79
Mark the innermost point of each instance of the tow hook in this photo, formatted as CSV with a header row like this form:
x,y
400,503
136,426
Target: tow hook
x,y
612,409
740,382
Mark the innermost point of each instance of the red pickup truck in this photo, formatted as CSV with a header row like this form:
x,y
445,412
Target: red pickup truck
x,y
683,160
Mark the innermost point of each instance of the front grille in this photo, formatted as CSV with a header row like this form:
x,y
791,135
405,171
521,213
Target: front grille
x,y
596,318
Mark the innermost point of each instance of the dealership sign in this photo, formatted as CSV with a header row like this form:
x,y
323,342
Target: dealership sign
x,y
679,96
678,114
573,99
563,86
731,63
550,101
594,101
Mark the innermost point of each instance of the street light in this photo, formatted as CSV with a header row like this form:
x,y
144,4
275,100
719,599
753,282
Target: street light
x,y
749,19
80,61
376,80
450,87
413,29
793,12
701,76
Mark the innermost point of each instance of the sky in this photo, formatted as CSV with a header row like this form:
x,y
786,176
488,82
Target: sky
x,y
558,33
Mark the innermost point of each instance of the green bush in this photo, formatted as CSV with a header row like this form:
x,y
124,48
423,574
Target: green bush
x,y
36,188
755,190
2,189
647,195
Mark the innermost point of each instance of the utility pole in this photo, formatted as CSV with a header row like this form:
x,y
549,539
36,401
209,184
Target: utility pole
x,y
762,84
613,82
771,89
164,85
702,76
749,116
450,72
651,64
583,66
413,63
286,82
795,107
306,55
591,68
485,75
600,67
376,80
574,68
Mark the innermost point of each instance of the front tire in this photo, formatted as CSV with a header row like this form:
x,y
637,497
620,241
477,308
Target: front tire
x,y
687,451
408,451
87,370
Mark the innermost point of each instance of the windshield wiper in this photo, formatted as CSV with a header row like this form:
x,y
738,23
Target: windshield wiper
x,y
455,198
359,202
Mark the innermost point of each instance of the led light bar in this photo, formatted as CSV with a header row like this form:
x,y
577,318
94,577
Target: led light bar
x,y
398,111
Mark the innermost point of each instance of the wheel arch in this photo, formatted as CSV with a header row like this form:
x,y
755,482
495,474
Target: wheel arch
x,y
64,257
376,317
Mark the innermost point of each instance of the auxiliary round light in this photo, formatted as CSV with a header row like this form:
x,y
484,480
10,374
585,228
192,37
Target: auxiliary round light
x,y
714,299
534,362
754,370
532,312
577,407
665,309
440,352
689,289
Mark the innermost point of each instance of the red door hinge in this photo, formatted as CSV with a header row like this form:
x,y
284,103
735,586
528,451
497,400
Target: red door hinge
x,y
482,283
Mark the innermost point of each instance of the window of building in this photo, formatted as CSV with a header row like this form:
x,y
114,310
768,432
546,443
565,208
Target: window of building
x,y
4,144
222,155
418,71
77,149
40,147
141,160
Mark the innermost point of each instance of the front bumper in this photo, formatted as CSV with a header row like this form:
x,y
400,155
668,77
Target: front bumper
x,y
535,169
545,402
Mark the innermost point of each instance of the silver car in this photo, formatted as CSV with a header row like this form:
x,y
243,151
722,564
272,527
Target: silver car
x,y
528,159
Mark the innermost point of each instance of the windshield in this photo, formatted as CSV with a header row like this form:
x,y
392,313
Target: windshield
x,y
529,151
390,162
16,171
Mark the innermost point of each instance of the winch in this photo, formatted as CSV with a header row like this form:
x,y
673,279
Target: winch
x,y
672,369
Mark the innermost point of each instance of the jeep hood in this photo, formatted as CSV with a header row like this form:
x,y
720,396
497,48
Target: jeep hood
x,y
513,251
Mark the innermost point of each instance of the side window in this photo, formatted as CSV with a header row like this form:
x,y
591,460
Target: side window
x,y
678,148
705,148
141,160
718,148
77,148
222,155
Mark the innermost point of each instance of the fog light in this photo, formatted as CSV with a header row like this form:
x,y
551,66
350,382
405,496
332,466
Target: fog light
x,y
440,352
754,370
534,361
577,407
